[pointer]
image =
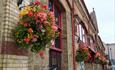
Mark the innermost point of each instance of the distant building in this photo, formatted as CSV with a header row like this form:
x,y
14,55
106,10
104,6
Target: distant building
x,y
111,53
111,50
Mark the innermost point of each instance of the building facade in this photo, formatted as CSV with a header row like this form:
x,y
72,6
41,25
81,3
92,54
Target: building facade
x,y
110,48
76,24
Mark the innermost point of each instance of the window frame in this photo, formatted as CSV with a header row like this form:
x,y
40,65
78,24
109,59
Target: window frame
x,y
56,54
81,32
56,5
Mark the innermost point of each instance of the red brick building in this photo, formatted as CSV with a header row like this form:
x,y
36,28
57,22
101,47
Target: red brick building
x,y
75,22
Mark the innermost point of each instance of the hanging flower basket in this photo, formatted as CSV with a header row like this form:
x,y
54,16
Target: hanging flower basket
x,y
82,54
100,59
36,27
104,60
97,58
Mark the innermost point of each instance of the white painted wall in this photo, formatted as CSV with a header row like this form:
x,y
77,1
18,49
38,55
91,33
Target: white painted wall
x,y
111,48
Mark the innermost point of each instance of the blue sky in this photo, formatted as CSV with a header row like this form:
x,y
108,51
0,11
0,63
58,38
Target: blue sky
x,y
105,12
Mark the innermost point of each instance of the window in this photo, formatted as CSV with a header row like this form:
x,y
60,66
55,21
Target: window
x,y
76,34
50,5
57,20
55,8
90,41
55,60
81,32
55,51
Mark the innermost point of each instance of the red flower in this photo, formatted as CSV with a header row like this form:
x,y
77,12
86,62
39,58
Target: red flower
x,y
27,40
25,24
45,7
41,53
30,30
30,14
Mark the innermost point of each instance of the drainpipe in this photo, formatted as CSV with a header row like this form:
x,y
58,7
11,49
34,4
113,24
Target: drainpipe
x,y
73,33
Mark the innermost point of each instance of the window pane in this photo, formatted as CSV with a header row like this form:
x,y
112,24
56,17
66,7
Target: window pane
x,y
80,28
55,9
84,38
50,6
56,16
55,60
88,41
57,42
81,32
83,35
76,29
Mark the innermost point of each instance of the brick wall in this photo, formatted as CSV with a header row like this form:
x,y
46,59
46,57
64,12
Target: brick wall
x,y
88,66
37,63
10,58
69,41
1,19
93,66
13,57
78,65
13,62
67,54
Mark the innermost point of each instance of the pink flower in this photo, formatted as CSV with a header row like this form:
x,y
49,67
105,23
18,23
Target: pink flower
x,y
51,13
54,28
51,16
34,39
97,54
36,3
41,16
25,24
35,36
